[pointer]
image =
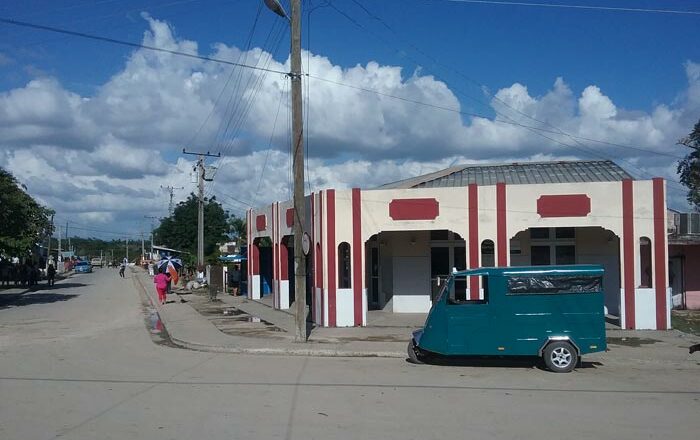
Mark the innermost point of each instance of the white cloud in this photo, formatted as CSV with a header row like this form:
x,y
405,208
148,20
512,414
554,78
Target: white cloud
x,y
102,158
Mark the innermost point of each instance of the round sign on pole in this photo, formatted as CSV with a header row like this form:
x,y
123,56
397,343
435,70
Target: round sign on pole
x,y
305,243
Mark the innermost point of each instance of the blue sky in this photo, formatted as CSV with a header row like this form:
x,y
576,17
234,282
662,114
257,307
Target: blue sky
x,y
634,71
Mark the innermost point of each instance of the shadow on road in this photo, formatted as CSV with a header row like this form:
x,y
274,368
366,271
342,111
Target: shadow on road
x,y
19,300
524,362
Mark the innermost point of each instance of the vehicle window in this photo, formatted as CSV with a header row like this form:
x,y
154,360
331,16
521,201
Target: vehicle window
x,y
458,295
443,288
553,284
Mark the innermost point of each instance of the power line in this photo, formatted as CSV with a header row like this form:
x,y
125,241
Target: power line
x,y
268,70
483,87
584,7
130,44
536,130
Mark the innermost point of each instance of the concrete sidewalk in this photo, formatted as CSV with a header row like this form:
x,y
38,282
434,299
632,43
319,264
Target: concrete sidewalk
x,y
239,325
188,328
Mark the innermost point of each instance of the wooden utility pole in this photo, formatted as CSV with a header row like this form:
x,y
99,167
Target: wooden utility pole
x,y
298,158
298,145
201,177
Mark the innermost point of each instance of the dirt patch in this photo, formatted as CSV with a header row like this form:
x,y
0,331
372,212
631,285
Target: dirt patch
x,y
231,320
687,321
632,342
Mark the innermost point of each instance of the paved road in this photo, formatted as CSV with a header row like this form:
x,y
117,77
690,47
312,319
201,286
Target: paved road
x,y
77,362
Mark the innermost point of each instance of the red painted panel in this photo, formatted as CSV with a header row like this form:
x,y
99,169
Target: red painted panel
x,y
260,222
290,217
330,249
357,249
319,258
501,234
660,260
414,209
249,229
473,238
313,279
255,260
284,261
275,264
628,246
565,205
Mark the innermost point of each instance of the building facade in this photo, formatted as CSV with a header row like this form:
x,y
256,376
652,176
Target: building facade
x,y
386,248
684,258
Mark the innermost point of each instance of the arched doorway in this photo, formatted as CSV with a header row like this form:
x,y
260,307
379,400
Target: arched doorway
x,y
264,267
402,268
572,245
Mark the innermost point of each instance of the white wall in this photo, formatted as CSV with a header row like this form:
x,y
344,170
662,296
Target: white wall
x,y
598,246
411,284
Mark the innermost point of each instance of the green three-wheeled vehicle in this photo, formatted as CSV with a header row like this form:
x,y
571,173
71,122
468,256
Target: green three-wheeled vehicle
x,y
555,312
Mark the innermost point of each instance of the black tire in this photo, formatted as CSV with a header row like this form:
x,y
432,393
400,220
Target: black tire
x,y
414,355
560,357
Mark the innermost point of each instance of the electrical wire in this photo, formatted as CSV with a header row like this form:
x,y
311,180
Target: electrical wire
x,y
130,44
581,147
216,60
580,7
269,145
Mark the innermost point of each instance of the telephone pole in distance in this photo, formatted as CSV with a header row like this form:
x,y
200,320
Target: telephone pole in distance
x,y
201,177
170,190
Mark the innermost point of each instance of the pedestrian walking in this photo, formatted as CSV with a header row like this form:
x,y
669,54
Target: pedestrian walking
x,y
51,274
161,281
122,268
234,278
5,272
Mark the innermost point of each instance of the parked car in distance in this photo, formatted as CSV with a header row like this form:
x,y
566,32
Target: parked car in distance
x,y
83,267
97,261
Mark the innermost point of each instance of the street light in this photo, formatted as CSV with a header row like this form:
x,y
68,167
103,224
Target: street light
x,y
298,158
276,7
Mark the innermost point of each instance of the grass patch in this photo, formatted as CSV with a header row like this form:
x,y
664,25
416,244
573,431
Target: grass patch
x,y
687,321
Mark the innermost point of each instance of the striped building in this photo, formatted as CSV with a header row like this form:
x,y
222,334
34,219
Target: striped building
x,y
384,248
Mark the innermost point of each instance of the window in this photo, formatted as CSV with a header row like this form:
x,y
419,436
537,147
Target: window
x,y
457,298
488,257
439,234
539,256
554,284
539,233
344,266
563,233
552,246
645,262
565,254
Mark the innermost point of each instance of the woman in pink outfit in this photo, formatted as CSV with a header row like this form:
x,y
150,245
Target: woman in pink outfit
x,y
161,280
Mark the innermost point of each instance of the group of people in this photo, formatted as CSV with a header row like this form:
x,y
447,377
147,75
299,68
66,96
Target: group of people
x,y
14,272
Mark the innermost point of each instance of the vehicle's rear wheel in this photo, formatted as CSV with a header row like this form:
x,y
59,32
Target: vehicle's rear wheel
x,y
414,354
560,357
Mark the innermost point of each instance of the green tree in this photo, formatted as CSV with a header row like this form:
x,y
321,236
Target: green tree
x,y
179,231
23,221
689,168
238,228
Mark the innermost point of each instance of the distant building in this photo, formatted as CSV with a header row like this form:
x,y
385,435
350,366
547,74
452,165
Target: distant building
x,y
230,247
160,252
684,258
385,248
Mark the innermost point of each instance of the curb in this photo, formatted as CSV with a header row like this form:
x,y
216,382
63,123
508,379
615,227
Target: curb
x,y
308,352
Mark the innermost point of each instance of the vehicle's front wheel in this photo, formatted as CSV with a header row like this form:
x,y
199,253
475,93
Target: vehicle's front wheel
x,y
414,354
560,357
